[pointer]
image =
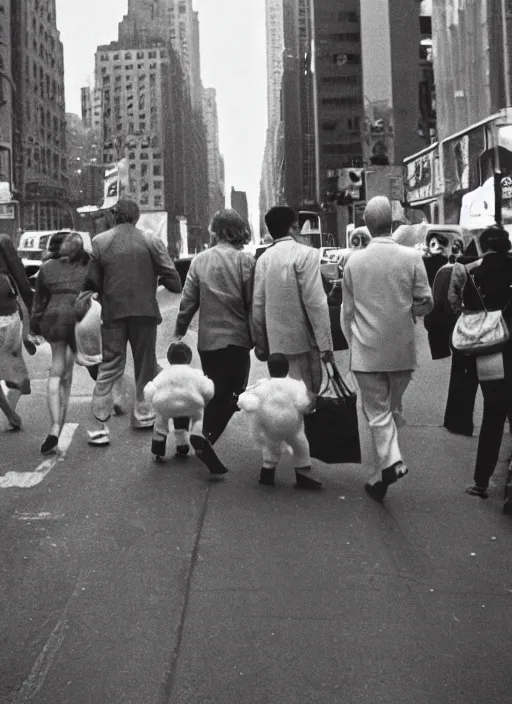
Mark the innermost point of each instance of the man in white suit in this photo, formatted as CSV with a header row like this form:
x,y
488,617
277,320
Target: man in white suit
x,y
290,314
385,288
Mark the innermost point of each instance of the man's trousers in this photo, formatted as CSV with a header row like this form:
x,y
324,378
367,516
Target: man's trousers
x,y
381,398
140,332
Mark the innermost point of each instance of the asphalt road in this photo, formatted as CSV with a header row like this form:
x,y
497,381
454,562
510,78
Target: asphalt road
x,y
126,582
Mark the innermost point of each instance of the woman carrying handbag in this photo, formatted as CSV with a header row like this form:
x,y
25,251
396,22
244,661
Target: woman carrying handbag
x,y
482,293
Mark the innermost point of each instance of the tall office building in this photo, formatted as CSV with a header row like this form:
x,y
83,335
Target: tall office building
x,y
149,79
91,107
216,197
239,203
469,62
270,183
32,118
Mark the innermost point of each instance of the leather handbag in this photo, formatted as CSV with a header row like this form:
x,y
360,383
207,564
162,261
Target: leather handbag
x,y
482,332
332,427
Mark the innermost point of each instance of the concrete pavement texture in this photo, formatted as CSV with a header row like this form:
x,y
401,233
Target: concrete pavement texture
x,y
122,581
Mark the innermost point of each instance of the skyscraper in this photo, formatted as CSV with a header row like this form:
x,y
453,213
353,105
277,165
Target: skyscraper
x,y
469,62
270,186
216,197
32,118
149,81
239,203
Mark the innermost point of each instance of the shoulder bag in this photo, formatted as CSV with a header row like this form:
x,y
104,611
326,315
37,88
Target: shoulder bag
x,y
481,332
332,428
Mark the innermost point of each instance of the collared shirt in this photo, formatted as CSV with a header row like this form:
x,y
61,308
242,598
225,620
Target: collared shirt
x,y
219,285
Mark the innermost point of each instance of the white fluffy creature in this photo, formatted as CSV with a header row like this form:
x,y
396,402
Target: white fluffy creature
x,y
177,392
276,408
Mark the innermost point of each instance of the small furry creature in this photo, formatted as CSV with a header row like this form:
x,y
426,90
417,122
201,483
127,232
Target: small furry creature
x,y
181,393
276,408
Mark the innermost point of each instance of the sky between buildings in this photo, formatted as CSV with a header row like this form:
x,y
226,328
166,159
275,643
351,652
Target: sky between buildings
x,y
233,60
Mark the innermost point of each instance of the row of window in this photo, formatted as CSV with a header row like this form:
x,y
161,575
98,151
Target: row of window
x,y
129,55
350,79
353,123
342,148
344,101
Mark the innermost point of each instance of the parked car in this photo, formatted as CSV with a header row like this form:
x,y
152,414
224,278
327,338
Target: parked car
x,y
34,244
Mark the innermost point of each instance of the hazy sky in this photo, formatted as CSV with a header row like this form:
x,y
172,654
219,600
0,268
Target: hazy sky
x,y
233,61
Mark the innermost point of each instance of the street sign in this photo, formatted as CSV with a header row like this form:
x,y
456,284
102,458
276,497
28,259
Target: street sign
x,y
7,211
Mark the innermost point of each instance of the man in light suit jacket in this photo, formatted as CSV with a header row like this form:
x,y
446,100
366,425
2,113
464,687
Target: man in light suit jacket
x,y
385,288
290,314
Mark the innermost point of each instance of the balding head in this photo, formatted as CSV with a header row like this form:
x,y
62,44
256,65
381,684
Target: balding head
x,y
378,216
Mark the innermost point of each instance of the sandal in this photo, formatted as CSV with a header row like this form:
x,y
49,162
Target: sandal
x,y
99,437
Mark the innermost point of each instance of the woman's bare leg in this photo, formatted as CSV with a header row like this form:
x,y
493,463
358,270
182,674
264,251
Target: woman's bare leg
x,y
57,372
65,385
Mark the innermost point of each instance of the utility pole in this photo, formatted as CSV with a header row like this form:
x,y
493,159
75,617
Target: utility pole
x,y
506,53
315,101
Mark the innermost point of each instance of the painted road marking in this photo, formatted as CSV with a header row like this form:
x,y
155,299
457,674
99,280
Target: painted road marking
x,y
26,480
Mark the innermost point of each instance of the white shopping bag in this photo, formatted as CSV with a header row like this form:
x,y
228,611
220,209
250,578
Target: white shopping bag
x,y
88,337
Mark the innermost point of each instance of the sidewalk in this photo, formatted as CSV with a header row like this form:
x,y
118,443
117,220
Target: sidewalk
x,y
301,598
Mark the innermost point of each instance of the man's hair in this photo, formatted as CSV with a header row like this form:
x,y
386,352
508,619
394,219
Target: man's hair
x,y
126,212
378,216
495,238
179,353
278,365
230,227
279,219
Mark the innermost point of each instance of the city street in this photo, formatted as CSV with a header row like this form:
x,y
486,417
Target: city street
x,y
127,582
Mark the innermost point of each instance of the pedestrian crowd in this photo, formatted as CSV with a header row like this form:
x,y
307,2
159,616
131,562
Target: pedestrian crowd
x,y
280,307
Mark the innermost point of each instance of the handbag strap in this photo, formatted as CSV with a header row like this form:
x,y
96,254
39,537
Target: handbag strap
x,y
480,296
336,380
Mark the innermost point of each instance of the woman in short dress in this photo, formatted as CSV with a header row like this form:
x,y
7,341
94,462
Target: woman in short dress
x,y
60,281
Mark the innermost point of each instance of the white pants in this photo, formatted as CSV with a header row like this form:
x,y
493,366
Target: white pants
x,y
381,398
271,450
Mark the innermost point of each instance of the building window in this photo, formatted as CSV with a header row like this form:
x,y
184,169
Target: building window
x,y
157,185
142,126
116,57
140,54
158,201
329,125
348,17
144,155
127,55
157,170
342,59
152,55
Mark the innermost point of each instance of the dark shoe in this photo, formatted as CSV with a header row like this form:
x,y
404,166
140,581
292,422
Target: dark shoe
x,y
268,476
475,490
303,481
49,445
377,491
390,475
206,454
159,459
182,450
158,448
15,422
